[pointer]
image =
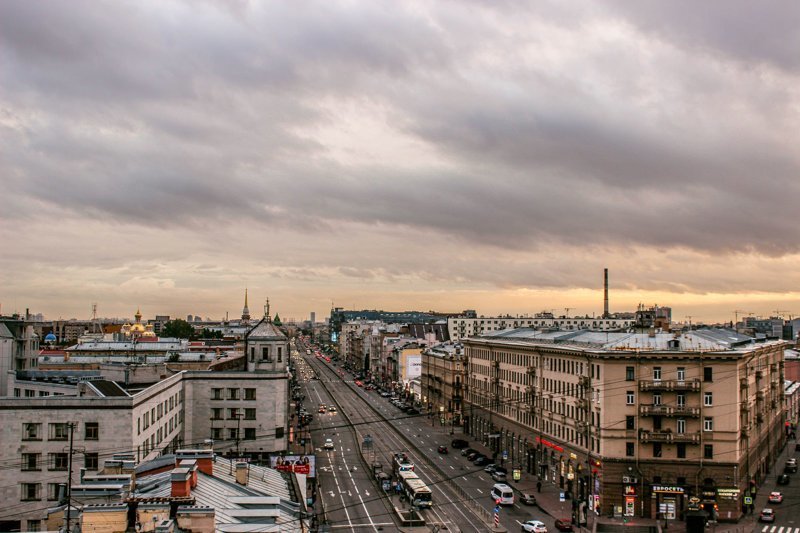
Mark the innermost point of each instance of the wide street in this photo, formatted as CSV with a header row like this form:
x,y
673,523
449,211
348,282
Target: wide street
x,y
460,490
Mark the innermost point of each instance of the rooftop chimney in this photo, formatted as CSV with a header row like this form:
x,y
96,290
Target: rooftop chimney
x,y
605,293
205,459
181,479
242,473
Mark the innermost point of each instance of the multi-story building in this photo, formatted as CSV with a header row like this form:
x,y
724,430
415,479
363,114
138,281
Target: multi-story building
x,y
638,421
461,327
244,408
19,348
442,379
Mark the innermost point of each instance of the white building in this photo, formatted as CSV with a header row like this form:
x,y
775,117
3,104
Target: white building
x,y
463,327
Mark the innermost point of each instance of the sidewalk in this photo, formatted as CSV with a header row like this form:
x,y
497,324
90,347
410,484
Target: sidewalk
x,y
548,500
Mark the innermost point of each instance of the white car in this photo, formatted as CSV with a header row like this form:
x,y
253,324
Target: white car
x,y
328,444
775,497
534,526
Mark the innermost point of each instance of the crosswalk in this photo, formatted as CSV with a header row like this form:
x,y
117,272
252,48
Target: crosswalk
x,y
780,529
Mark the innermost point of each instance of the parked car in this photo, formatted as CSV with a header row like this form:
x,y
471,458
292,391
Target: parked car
x,y
499,476
466,451
527,498
490,468
459,443
534,526
412,411
481,461
563,524
474,454
791,466
775,497
783,479
767,515
442,449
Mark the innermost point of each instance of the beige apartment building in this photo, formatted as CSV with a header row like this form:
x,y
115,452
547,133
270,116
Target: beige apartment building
x,y
442,380
638,424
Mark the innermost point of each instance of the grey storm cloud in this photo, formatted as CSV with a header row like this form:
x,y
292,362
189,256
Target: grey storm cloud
x,y
196,113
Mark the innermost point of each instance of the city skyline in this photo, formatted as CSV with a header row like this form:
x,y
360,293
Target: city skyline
x,y
488,156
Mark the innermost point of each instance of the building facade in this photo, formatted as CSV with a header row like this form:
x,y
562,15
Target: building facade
x,y
634,423
462,327
443,373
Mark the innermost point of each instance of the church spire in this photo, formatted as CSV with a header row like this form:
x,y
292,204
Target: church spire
x,y
266,310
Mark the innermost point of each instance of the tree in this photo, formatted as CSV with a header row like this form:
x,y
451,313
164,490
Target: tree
x,y
178,328
277,320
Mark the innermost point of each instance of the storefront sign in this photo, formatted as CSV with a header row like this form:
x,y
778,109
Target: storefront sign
x,y
668,489
629,490
730,494
549,444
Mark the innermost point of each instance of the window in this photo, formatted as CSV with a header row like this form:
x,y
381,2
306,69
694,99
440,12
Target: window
x,y
52,492
30,461
656,423
708,424
657,373
656,449
629,398
216,394
280,354
630,422
233,394
265,354
59,431
250,414
681,399
59,461
681,373
629,449
91,461
249,433
252,354
216,433
249,394
232,434
216,413
233,414
629,373
708,374
30,492
681,426
91,431
31,431
656,398
708,399
30,393
681,450
708,451
279,433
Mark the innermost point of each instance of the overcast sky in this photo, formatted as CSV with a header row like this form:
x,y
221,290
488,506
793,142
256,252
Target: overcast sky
x,y
491,155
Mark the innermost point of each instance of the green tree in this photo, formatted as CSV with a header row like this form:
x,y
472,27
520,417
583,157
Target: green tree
x,y
277,320
178,328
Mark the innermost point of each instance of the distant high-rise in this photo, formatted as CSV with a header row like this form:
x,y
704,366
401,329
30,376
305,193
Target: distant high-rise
x,y
313,318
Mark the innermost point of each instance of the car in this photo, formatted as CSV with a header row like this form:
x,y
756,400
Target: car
x,y
321,408
499,476
791,466
534,526
442,449
767,515
527,498
459,443
481,461
328,444
466,451
490,468
384,394
474,454
783,479
332,409
775,497
412,411
563,524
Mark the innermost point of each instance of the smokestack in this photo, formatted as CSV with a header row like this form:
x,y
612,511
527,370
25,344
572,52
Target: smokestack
x,y
605,293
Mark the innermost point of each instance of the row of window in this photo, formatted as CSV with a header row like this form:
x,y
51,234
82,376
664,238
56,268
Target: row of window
x,y
57,461
680,450
58,431
158,411
28,393
266,354
680,424
234,433
708,398
233,413
680,373
30,492
233,394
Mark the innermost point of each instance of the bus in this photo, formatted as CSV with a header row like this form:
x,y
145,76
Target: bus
x,y
401,463
415,489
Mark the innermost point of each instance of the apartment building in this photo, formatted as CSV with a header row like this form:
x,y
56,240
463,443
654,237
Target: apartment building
x,y
633,422
244,409
442,379
462,327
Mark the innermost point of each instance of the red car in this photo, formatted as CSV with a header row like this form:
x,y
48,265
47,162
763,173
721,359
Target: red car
x,y
563,524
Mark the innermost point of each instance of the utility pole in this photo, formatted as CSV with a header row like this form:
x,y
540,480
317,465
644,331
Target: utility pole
x,y
69,476
238,425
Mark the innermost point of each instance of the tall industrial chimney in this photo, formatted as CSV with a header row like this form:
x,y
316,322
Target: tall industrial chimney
x,y
605,293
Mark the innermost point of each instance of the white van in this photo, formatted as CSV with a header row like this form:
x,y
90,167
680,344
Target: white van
x,y
502,494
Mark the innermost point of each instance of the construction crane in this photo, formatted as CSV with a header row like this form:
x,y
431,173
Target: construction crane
x,y
736,314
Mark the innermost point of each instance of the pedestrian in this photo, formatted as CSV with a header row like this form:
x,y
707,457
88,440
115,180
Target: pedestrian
x,y
538,486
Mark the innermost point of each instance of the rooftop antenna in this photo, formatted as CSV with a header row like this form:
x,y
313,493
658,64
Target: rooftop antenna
x,y
736,315
605,293
566,312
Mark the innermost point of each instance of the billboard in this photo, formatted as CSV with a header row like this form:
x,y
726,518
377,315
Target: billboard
x,y
302,464
413,366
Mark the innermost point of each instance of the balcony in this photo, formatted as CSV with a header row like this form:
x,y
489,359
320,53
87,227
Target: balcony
x,y
583,381
583,403
646,385
668,410
743,382
667,436
686,411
